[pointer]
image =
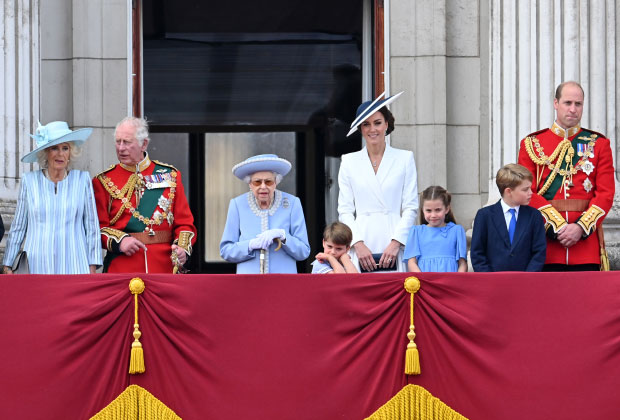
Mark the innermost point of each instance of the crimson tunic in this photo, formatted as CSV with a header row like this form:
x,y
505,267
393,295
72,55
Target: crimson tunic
x,y
599,182
178,220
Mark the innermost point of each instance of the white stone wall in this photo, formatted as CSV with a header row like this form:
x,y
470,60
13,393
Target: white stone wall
x,y
19,96
435,57
84,73
19,88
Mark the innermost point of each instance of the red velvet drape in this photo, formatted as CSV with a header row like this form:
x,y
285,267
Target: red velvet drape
x,y
492,346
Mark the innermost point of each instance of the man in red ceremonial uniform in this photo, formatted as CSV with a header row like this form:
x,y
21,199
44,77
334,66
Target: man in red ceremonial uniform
x,y
573,184
146,224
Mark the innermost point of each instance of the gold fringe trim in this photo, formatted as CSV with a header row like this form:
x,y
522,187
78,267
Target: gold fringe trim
x,y
136,360
412,356
413,402
136,403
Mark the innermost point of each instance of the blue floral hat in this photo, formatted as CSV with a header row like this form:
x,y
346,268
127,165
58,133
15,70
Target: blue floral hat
x,y
261,163
368,108
54,133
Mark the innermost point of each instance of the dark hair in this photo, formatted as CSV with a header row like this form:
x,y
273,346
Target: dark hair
x,y
389,118
338,233
558,90
436,193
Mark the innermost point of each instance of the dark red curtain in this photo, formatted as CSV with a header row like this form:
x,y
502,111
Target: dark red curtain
x,y
492,346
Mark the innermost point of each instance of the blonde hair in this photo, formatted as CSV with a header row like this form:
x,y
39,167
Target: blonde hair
x,y
75,152
511,175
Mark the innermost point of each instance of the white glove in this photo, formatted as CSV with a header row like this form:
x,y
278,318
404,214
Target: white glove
x,y
265,239
273,234
255,243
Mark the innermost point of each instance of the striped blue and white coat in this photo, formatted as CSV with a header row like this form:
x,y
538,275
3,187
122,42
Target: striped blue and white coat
x,y
57,225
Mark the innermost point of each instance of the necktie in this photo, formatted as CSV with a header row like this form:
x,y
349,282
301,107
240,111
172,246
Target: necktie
x,y
513,224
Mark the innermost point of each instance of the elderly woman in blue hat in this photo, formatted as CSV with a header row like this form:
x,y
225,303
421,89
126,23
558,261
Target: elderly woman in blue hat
x,y
378,196
56,218
265,229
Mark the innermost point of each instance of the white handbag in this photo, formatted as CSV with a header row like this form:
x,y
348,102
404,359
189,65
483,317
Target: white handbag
x,y
20,265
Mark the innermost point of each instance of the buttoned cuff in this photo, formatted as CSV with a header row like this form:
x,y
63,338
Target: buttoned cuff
x,y
588,219
553,218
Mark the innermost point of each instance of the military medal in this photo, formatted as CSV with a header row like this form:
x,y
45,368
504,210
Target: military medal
x,y
587,167
580,149
587,185
158,181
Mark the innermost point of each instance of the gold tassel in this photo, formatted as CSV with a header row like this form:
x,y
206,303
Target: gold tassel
x,y
604,260
412,356
136,361
603,252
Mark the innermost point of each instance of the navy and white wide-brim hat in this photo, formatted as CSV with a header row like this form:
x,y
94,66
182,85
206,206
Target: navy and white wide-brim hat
x,y
54,133
260,163
368,108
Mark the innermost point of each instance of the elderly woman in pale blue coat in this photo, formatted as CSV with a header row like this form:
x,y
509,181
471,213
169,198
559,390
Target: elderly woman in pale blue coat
x,y
56,218
264,218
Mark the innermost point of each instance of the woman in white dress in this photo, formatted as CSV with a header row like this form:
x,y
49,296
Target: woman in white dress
x,y
378,196
56,218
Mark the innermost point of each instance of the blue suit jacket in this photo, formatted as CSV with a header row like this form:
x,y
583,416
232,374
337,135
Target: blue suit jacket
x,y
491,249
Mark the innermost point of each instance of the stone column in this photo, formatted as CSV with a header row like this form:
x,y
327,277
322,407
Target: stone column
x,y
418,60
100,75
435,57
84,71
19,96
19,89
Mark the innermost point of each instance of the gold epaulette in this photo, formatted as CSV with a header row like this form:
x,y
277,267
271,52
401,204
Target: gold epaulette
x,y
165,164
185,241
112,235
553,218
105,170
589,218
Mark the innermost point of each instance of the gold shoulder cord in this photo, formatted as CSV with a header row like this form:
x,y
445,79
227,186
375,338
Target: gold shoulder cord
x,y
563,152
123,194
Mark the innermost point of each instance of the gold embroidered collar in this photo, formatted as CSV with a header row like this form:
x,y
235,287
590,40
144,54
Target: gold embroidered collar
x,y
146,162
565,133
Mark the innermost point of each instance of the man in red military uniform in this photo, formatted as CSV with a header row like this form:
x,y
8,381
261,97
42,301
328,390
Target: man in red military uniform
x,y
573,183
146,224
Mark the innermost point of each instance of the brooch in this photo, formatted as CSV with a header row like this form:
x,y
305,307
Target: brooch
x,y
285,203
587,167
587,185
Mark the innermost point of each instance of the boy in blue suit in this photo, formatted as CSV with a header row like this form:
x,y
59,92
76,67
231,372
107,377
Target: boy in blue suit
x,y
509,235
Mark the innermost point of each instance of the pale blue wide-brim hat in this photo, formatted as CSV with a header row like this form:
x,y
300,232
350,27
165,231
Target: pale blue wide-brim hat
x,y
54,133
261,163
366,109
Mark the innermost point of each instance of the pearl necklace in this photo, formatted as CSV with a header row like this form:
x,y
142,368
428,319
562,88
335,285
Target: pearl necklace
x,y
47,175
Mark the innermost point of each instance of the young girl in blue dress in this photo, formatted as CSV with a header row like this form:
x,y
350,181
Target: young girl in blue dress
x,y
437,244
